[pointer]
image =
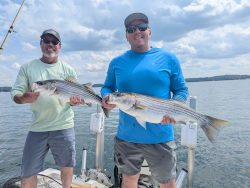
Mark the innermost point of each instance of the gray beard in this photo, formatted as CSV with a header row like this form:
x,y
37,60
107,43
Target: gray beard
x,y
50,56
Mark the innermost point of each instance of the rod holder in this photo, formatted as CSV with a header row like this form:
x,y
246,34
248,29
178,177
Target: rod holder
x,y
181,178
84,159
190,179
192,102
97,126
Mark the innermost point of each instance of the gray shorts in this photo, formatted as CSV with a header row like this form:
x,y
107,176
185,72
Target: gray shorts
x,y
61,144
161,158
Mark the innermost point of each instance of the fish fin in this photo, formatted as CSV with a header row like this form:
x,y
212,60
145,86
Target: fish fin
x,y
106,111
89,104
89,87
33,86
62,102
179,100
72,79
141,122
57,92
141,106
56,95
214,127
181,122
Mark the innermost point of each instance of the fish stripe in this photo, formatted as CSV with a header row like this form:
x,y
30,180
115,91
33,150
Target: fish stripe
x,y
73,89
170,107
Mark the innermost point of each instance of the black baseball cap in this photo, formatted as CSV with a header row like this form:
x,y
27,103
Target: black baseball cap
x,y
134,16
51,32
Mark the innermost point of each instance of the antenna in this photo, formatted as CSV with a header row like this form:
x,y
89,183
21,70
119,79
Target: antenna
x,y
11,28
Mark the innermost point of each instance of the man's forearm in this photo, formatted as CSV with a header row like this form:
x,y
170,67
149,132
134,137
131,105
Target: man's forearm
x,y
181,93
18,99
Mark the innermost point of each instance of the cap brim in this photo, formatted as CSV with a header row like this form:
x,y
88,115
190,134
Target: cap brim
x,y
50,34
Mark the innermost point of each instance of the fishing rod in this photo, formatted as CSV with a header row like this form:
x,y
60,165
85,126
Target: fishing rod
x,y
11,28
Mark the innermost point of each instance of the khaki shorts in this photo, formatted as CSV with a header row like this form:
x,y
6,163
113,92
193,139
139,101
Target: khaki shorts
x,y
161,158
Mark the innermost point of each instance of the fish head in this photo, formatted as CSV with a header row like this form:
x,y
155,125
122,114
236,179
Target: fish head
x,y
122,100
46,87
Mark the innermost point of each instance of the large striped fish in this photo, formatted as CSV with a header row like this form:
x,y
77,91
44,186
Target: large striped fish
x,y
152,109
64,89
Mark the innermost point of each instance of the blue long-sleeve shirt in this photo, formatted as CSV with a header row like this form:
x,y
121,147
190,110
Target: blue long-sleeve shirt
x,y
156,72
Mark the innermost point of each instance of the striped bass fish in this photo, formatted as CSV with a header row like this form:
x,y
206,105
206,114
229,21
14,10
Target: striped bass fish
x,y
152,109
64,89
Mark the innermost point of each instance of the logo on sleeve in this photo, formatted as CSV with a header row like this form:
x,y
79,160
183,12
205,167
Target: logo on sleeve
x,y
156,63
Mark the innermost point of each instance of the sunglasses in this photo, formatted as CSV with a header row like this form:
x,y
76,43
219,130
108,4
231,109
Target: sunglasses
x,y
141,27
47,41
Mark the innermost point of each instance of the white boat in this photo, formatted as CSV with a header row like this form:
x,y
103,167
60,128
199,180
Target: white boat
x,y
99,178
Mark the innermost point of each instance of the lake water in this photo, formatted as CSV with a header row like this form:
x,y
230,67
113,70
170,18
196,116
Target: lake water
x,y
223,165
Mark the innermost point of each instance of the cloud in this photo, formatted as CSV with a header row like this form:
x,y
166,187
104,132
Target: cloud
x,y
213,14
95,67
28,47
193,8
157,44
90,65
7,57
241,63
107,56
7,76
224,42
184,48
16,65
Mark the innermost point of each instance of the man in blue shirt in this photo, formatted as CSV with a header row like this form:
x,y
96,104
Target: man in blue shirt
x,y
150,71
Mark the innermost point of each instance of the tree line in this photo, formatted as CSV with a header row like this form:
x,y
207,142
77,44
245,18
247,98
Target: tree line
x,y
5,89
214,78
218,78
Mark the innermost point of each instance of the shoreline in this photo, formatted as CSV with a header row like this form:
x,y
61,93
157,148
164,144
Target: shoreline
x,y
204,79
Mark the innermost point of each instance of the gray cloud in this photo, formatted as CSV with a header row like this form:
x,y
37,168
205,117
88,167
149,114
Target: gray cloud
x,y
173,27
92,41
237,45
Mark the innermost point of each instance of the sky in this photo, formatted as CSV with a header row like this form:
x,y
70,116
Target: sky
x,y
209,37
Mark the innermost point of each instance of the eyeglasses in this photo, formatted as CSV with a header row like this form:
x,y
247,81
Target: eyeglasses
x,y
47,41
141,27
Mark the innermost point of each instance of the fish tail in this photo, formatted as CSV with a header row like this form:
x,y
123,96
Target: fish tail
x,y
106,111
213,128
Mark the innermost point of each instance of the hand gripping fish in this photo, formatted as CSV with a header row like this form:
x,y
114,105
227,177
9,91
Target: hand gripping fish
x,y
152,109
64,89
